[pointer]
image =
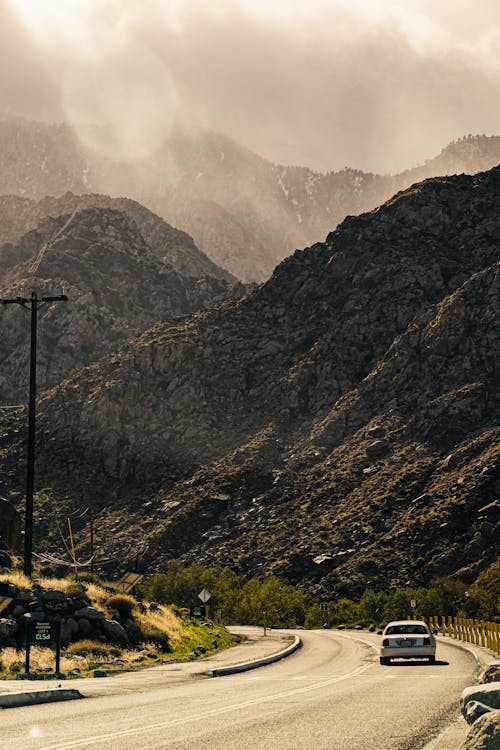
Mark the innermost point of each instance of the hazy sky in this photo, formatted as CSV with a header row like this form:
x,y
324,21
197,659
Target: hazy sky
x,y
376,84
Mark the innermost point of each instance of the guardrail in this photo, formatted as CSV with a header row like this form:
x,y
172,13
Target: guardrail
x,y
479,632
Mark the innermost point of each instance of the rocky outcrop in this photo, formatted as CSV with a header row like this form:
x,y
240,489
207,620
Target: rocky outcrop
x,y
480,706
175,248
337,426
487,695
244,212
117,285
71,609
485,733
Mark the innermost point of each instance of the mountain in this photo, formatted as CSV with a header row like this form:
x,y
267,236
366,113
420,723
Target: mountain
x,y
243,211
118,284
176,248
337,426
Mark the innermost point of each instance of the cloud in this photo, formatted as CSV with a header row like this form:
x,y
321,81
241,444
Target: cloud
x,y
375,84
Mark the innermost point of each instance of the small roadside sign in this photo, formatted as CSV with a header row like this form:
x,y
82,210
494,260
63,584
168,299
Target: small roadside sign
x,y
204,595
198,611
323,606
43,634
413,603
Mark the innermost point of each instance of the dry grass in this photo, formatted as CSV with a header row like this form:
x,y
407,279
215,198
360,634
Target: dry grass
x,y
163,620
163,636
17,578
40,659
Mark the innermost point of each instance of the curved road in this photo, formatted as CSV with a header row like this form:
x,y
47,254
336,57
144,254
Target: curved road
x,y
330,695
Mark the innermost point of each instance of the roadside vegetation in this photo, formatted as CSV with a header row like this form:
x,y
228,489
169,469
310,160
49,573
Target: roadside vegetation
x,y
274,602
158,633
162,630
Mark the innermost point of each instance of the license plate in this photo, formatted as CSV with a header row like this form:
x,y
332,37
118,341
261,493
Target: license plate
x,y
405,642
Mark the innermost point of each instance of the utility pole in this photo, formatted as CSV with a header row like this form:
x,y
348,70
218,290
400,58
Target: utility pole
x,y
31,303
92,567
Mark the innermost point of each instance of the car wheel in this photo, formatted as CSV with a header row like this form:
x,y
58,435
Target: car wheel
x,y
384,660
432,659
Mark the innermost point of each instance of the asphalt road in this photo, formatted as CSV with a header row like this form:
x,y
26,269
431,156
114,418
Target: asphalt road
x,y
331,695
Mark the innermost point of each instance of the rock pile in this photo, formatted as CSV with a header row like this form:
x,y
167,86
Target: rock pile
x,y
480,706
71,608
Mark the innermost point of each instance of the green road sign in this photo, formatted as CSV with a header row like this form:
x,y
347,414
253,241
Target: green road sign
x,y
43,634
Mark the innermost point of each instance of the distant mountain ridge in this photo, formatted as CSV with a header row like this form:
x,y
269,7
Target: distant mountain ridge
x,y
20,215
337,426
244,212
118,283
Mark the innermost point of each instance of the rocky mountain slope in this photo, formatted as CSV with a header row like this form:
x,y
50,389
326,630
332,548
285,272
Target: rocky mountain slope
x,y
176,248
244,212
337,426
117,274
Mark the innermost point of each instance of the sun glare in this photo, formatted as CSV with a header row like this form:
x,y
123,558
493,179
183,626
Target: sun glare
x,y
49,19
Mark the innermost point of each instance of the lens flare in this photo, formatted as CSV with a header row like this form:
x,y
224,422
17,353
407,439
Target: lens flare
x,y
122,103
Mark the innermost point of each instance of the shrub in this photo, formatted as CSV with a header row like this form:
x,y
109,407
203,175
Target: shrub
x,y
77,591
89,648
158,637
123,604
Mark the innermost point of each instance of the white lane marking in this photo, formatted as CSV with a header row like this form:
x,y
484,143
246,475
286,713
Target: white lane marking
x,y
413,676
87,741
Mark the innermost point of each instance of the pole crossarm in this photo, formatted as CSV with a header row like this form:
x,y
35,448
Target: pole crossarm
x,y
26,301
31,303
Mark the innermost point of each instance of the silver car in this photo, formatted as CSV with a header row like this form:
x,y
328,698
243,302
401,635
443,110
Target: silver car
x,y
407,639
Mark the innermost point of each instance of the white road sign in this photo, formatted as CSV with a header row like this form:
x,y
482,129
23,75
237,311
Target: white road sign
x,y
204,595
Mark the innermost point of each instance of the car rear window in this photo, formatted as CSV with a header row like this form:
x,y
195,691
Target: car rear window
x,y
406,630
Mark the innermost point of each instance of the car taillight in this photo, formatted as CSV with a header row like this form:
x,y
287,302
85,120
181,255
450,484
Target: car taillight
x,y
427,641
386,642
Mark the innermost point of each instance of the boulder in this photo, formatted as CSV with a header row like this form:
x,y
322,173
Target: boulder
x,y
53,595
69,629
8,589
84,627
377,431
488,694
484,733
90,613
475,709
8,627
378,449
450,462
114,631
491,673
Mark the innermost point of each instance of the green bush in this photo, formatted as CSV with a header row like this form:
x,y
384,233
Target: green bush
x,y
123,604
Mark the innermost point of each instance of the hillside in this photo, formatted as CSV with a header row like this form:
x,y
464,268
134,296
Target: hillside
x,y
243,211
337,426
21,215
117,282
